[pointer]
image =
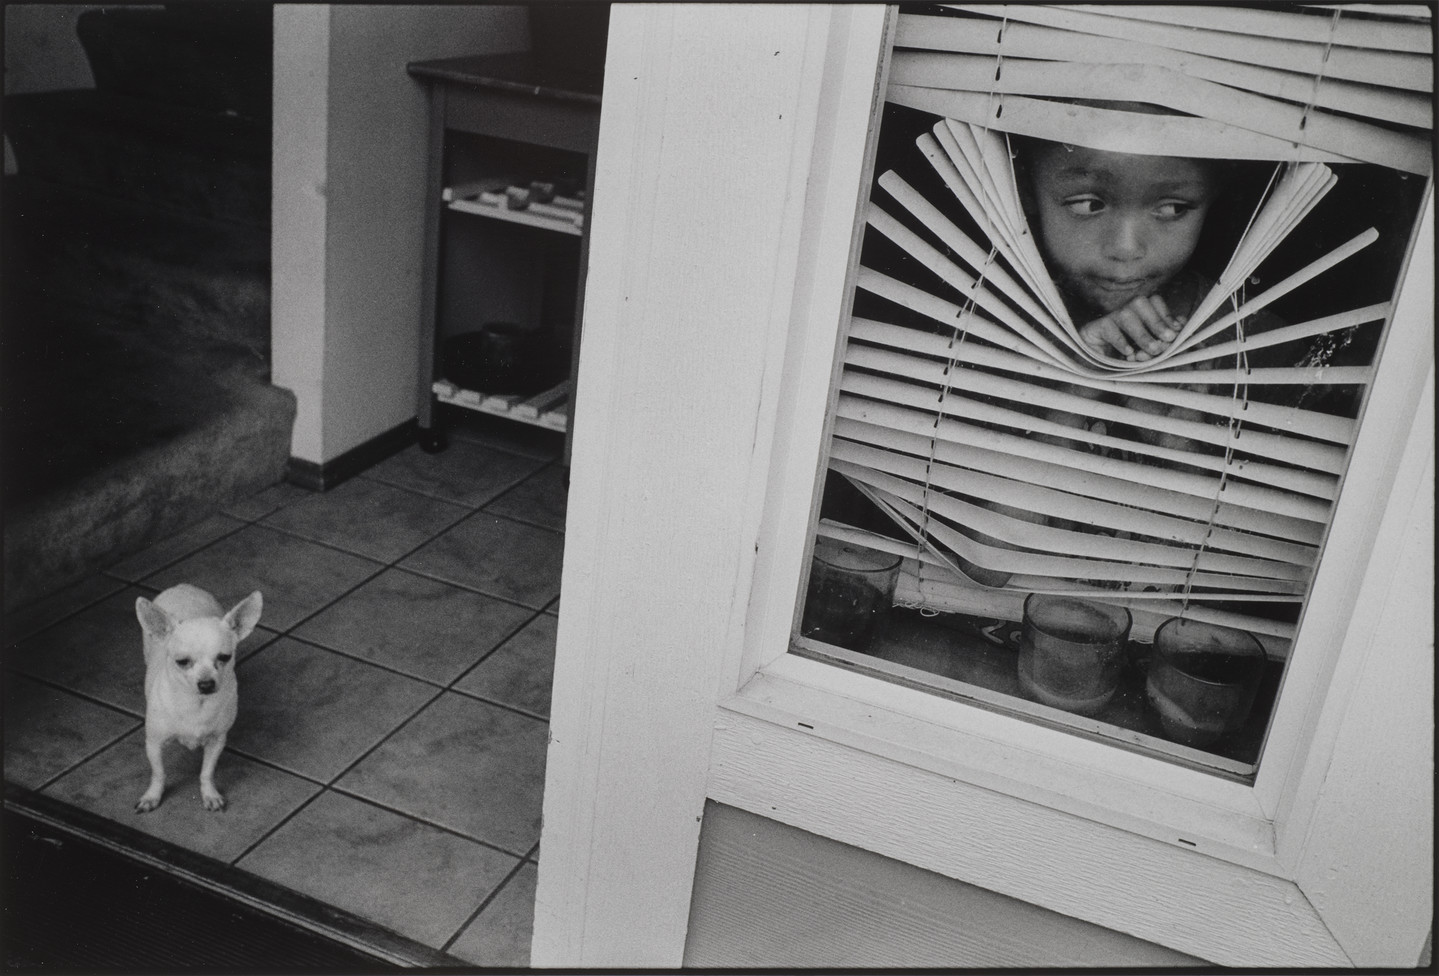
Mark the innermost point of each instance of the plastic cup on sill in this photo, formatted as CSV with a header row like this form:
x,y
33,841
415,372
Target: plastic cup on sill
x,y
851,591
1203,679
1072,652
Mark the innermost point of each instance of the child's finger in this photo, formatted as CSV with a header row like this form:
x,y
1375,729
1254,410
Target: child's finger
x,y
1156,317
1104,337
1138,321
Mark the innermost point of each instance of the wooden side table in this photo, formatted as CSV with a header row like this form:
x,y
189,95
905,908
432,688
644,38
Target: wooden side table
x,y
507,100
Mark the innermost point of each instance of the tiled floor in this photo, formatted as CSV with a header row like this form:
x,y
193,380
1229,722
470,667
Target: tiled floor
x,y
389,754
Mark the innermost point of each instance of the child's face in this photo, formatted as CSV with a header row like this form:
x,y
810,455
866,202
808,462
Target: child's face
x,y
1114,226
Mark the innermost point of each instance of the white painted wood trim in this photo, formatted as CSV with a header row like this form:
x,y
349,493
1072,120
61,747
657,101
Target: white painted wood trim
x,y
1007,755
854,82
1372,876
678,381
921,746
1361,819
1102,874
1390,420
706,132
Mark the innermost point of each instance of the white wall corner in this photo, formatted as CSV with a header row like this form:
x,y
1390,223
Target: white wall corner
x,y
350,144
299,211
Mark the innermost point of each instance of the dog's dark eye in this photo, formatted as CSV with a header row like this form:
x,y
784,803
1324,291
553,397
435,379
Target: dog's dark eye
x,y
184,662
223,659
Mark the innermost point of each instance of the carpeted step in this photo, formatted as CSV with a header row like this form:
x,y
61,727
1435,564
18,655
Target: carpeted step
x,y
187,279
119,444
213,56
135,387
200,163
114,441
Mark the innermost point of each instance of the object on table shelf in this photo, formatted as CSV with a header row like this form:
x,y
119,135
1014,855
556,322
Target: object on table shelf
x,y
547,409
537,198
497,358
517,198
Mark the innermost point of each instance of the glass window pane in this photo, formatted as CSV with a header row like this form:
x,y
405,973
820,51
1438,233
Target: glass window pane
x,y
1097,395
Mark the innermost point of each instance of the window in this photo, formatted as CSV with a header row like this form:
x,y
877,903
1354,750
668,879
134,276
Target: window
x,y
996,447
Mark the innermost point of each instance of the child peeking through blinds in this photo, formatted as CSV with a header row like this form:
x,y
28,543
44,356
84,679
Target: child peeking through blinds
x,y
1117,232
1120,234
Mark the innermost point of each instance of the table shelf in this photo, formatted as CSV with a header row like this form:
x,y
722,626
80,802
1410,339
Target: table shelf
x,y
505,130
487,199
547,409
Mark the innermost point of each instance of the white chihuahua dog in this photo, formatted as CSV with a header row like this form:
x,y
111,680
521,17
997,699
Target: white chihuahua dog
x,y
190,690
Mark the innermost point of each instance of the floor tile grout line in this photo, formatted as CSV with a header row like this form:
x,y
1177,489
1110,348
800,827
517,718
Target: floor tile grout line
x,y
329,784
399,672
498,515
289,631
298,534
484,903
514,518
139,724
355,795
84,696
439,689
291,535
395,729
250,849
494,649
436,496
395,565
12,642
266,514
276,766
470,588
351,656
384,565
402,723
179,559
333,783
499,704
520,519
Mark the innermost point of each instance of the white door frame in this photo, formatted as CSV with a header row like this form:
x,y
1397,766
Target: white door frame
x,y
729,167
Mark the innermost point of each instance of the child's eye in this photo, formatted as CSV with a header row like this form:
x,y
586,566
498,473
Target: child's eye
x,y
1173,209
1084,206
184,662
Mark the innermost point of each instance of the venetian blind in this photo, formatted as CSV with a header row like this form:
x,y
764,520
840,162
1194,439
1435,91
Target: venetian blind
x,y
942,406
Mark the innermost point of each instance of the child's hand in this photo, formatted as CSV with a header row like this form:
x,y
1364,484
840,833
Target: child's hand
x,y
1138,331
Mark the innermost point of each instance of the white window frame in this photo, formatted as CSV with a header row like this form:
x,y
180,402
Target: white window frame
x,y
673,682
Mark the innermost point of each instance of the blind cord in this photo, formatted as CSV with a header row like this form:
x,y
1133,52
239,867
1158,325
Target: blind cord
x,y
1239,403
957,336
1318,78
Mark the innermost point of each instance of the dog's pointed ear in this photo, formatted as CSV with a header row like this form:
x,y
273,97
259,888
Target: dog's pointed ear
x,y
153,620
245,615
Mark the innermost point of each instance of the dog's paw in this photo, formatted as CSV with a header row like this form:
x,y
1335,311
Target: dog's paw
x,y
147,803
213,801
